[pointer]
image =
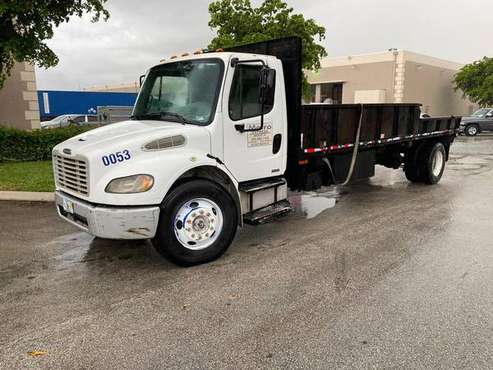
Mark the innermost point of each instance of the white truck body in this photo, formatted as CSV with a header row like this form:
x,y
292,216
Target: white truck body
x,y
215,139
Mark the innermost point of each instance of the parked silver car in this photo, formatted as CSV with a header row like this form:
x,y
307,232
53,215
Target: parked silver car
x,y
481,120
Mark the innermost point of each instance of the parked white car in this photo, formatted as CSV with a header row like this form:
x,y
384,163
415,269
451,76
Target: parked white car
x,y
69,119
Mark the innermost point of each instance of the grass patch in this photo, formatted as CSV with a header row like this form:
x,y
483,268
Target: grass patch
x,y
27,176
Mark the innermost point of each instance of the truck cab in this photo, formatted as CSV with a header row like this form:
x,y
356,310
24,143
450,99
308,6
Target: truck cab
x,y
211,125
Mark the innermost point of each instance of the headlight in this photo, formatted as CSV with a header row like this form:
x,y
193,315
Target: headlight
x,y
130,184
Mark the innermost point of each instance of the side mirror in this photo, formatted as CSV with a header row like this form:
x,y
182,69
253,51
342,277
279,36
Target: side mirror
x,y
267,86
141,80
267,90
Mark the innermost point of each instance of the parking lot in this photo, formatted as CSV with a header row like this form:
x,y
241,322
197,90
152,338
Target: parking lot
x,y
382,273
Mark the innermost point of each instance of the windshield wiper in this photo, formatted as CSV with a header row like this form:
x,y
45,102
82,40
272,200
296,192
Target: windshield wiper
x,y
175,115
161,116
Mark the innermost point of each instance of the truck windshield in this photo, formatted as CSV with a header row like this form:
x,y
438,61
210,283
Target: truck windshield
x,y
185,92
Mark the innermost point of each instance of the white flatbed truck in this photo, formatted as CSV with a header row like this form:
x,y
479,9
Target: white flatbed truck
x,y
216,140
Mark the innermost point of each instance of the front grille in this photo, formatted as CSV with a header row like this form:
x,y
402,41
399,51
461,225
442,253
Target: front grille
x,y
71,173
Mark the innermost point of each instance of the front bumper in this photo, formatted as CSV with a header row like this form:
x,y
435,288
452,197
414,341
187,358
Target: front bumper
x,y
106,221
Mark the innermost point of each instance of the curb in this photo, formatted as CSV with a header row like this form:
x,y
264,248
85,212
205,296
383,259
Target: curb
x,y
27,196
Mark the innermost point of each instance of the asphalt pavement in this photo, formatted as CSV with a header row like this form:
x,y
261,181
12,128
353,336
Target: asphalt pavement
x,y
380,274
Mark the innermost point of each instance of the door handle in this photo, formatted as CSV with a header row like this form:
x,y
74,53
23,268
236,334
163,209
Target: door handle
x,y
240,128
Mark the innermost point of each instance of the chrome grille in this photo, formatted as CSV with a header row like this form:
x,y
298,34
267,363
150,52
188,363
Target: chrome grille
x,y
71,173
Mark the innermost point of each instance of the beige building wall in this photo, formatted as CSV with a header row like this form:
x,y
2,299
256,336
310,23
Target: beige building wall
x,y
19,106
357,77
431,84
396,76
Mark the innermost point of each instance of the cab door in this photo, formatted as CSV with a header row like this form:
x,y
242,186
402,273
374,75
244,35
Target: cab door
x,y
252,152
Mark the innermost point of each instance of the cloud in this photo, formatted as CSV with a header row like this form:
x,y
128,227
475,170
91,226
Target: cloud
x,y
139,34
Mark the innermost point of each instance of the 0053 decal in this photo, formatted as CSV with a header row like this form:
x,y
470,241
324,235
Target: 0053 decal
x,y
117,157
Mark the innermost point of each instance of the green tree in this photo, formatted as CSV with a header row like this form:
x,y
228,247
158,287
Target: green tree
x,y
476,81
27,24
236,22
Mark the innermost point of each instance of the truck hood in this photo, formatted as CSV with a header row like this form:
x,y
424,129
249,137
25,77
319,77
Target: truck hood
x,y
129,134
117,150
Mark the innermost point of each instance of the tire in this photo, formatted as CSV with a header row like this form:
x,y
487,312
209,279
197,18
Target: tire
x,y
411,167
205,207
432,162
471,130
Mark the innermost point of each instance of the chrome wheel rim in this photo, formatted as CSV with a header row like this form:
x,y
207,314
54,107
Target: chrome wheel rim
x,y
472,130
437,164
198,223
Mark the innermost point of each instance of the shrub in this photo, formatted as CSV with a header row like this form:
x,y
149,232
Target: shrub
x,y
17,145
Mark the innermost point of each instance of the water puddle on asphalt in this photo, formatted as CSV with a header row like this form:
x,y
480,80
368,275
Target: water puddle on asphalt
x,y
310,204
82,250
470,165
75,248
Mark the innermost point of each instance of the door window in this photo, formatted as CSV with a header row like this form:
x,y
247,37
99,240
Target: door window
x,y
244,98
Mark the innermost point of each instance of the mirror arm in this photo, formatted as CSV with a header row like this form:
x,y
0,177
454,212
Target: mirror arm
x,y
262,107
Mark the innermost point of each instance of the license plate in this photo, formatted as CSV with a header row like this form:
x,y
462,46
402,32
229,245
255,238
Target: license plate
x,y
68,206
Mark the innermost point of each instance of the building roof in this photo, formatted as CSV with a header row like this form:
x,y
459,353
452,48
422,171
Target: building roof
x,y
124,87
389,56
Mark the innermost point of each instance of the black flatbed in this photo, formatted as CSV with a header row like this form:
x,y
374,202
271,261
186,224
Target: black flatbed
x,y
332,128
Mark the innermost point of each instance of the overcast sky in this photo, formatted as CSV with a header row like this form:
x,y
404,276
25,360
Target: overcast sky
x,y
140,33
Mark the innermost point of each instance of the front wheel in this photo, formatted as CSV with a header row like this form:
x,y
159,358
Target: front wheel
x,y
198,222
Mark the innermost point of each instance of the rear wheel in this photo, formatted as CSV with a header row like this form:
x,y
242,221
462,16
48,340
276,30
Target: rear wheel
x,y
426,163
472,130
432,162
411,165
197,224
